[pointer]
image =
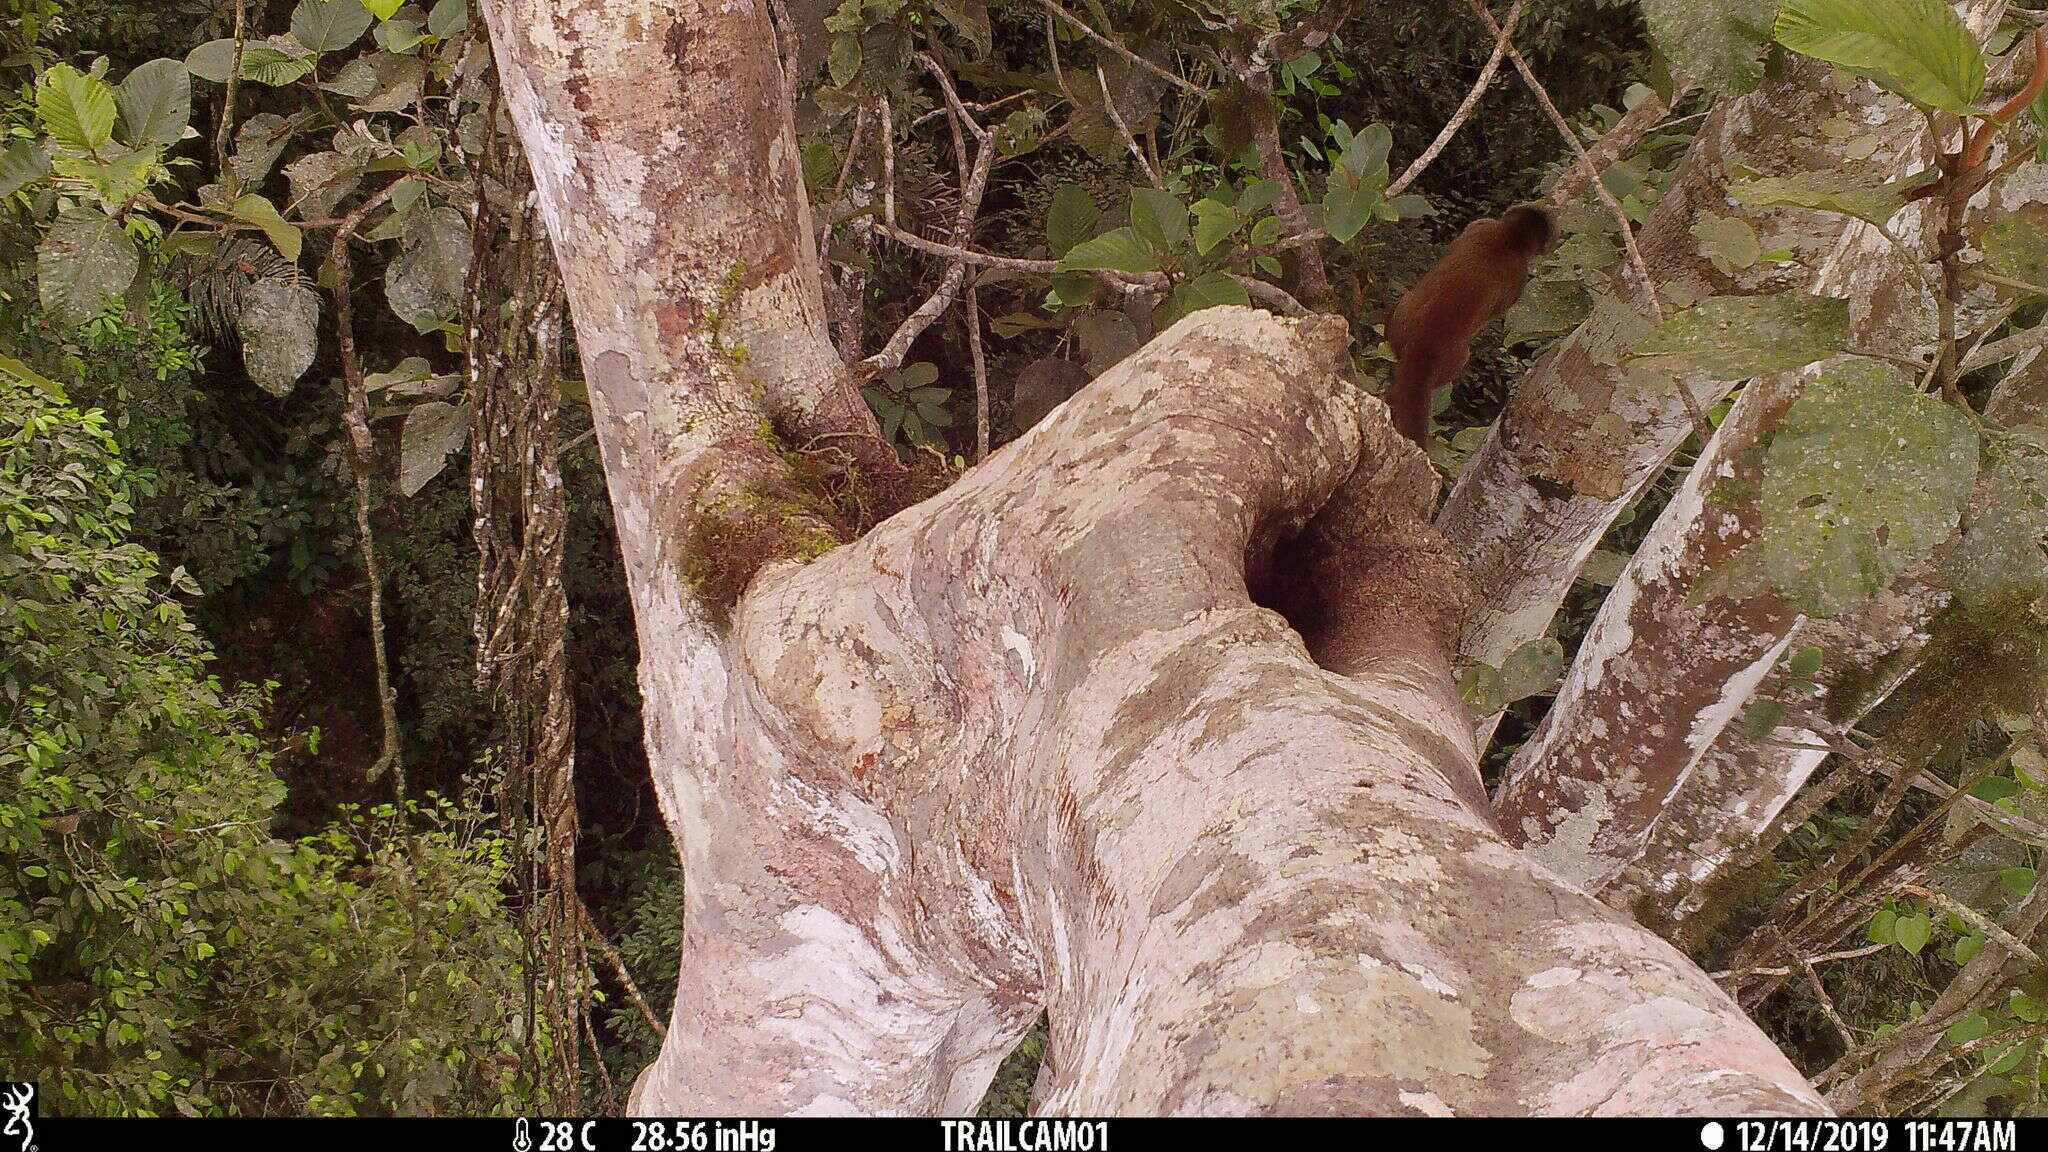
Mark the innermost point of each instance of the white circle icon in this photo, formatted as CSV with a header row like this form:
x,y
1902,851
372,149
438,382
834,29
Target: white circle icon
x,y
1711,1135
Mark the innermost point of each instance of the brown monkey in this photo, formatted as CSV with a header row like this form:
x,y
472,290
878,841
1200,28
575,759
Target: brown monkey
x,y
1477,279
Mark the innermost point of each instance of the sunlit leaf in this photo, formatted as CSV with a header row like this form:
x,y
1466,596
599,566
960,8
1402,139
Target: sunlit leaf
x,y
155,103
1159,219
329,25
1918,49
1733,337
1118,250
1716,42
77,109
1864,476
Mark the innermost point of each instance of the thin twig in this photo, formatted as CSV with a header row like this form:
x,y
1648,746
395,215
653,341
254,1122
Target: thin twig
x,y
1126,53
224,131
1465,107
1124,130
620,970
362,462
973,318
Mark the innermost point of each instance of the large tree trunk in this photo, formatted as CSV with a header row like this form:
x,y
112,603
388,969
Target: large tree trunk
x,y
1031,746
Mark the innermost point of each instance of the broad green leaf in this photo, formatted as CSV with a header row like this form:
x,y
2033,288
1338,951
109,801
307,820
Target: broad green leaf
x,y
155,103
212,60
1214,223
1733,337
259,141
1367,153
279,326
1912,932
30,376
447,18
403,35
1207,291
1531,669
1805,663
1840,192
1716,42
2018,881
1918,49
1258,196
1762,718
22,163
1975,1026
329,25
1118,250
1883,927
77,109
257,210
319,180
84,263
2017,245
843,59
432,431
1071,218
1349,201
1864,476
1159,219
1729,242
425,284
383,9
1999,567
116,180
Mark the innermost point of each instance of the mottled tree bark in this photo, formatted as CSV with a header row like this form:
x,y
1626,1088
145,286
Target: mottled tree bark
x,y
1031,746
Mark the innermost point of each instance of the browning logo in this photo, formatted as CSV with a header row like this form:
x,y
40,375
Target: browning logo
x,y
17,1116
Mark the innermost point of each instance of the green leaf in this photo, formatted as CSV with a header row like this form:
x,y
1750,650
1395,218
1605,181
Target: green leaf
x,y
155,103
432,431
401,35
77,109
1208,291
1266,231
84,263
1805,663
1762,718
1367,153
2018,881
1159,219
1532,669
425,284
1214,223
279,326
22,163
1716,42
1918,49
448,18
257,210
2017,245
1843,193
1258,196
382,9
1975,1026
1071,218
1118,250
1349,201
31,377
1966,947
1864,476
1734,337
212,60
1999,567
329,25
1912,932
843,59
1883,927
